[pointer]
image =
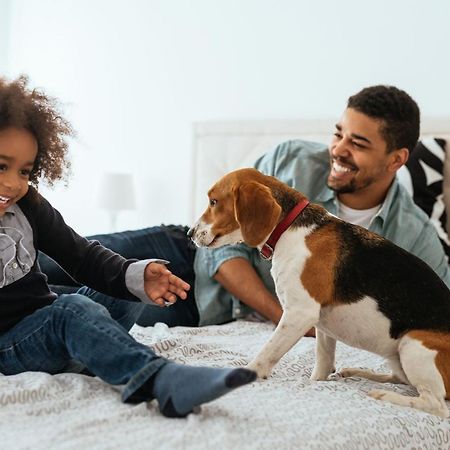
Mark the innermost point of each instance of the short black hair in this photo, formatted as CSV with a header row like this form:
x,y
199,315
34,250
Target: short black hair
x,y
398,112
33,110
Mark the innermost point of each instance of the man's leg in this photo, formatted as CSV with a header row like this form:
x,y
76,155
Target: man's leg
x,y
183,313
163,242
76,328
170,243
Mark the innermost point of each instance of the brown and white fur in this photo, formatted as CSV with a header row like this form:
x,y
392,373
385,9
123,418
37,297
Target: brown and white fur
x,y
352,285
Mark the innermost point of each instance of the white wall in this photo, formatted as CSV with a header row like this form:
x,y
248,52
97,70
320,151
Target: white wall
x,y
5,15
134,75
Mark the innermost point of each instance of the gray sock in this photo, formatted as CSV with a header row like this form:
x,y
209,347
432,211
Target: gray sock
x,y
180,388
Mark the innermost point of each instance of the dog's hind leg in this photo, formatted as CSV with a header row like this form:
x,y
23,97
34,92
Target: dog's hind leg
x,y
325,356
294,323
397,375
424,356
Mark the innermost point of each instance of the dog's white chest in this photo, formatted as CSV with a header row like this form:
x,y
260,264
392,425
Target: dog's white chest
x,y
288,262
360,325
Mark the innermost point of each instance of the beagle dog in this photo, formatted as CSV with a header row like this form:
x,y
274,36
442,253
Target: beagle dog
x,y
352,285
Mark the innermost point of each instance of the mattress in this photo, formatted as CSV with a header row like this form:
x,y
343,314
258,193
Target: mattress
x,y
71,411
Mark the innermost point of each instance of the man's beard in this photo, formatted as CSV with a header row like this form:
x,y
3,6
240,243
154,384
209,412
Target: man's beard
x,y
347,189
351,187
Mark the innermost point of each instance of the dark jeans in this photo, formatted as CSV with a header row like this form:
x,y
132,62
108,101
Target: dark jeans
x,y
163,242
85,331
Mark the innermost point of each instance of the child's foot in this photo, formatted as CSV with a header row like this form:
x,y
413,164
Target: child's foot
x,y
179,389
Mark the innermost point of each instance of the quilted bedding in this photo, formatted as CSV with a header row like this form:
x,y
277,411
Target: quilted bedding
x,y
69,411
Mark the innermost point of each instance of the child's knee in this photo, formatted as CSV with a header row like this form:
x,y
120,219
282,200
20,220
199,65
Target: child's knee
x,y
77,303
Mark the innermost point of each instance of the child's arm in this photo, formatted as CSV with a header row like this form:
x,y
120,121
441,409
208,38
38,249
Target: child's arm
x,y
88,262
162,286
152,282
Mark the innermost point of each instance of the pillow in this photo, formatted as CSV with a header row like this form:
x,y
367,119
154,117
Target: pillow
x,y
426,168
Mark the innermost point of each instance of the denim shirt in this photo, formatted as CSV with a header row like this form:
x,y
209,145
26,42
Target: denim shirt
x,y
305,166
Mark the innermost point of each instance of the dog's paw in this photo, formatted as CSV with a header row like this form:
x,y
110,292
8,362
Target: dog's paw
x,y
262,372
377,394
348,372
320,375
335,376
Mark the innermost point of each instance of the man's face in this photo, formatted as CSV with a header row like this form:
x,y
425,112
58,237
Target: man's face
x,y
358,155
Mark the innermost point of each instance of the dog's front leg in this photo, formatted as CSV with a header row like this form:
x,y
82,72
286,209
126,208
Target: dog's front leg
x,y
325,357
293,325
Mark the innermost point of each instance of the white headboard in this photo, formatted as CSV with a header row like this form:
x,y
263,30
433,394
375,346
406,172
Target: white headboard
x,y
220,147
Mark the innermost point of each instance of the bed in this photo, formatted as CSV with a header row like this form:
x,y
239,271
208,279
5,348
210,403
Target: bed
x,y
69,411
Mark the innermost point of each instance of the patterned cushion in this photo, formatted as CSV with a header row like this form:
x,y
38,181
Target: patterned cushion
x,y
426,167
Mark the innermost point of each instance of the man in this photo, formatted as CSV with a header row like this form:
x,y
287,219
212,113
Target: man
x,y
355,179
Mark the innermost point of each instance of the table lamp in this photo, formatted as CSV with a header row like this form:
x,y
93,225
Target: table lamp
x,y
116,194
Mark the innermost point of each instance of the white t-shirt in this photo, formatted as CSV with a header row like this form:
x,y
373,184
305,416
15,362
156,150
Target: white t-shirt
x,y
362,217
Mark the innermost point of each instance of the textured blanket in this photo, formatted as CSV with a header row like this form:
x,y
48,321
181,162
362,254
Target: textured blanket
x,y
68,411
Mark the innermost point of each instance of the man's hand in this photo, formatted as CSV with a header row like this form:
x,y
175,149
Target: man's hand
x,y
162,286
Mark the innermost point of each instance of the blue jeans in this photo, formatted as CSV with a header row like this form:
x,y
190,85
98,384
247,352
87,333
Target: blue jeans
x,y
82,330
171,243
164,242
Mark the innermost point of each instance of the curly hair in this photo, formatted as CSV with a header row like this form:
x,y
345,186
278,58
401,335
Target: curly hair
x,y
31,109
398,112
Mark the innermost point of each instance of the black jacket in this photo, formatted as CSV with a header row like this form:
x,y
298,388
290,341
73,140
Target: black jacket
x,y
88,262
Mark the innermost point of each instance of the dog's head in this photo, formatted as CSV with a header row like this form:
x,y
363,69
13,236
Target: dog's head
x,y
241,209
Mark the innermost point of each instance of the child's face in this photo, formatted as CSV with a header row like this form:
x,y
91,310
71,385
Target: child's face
x,y
18,151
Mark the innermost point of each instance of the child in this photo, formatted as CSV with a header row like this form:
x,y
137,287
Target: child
x,y
40,331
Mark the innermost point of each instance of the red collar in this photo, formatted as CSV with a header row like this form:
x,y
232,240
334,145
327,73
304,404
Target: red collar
x,y
267,249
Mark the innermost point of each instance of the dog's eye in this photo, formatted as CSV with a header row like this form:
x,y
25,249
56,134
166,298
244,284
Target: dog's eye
x,y
212,202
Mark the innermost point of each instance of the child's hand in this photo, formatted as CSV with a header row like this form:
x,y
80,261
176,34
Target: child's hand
x,y
162,286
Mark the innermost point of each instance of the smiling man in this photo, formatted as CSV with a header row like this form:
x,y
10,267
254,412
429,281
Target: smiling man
x,y
354,178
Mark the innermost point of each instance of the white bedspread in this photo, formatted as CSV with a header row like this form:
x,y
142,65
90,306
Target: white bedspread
x,y
68,411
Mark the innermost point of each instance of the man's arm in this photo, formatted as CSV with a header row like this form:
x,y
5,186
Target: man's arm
x,y
239,278
428,247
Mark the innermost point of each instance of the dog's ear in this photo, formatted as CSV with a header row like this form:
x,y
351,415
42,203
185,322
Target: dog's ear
x,y
257,212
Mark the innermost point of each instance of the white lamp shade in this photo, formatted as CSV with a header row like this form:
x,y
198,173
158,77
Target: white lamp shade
x,y
116,192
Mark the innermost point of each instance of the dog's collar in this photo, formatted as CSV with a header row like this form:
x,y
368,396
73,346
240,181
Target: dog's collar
x,y
267,249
